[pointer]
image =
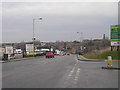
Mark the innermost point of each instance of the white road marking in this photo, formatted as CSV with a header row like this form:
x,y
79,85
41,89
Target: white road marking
x,y
76,59
75,64
71,72
77,74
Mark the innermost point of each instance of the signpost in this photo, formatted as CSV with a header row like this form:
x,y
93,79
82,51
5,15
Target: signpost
x,y
115,36
8,52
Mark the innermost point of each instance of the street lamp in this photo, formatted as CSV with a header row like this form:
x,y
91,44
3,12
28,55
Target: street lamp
x,y
81,40
34,33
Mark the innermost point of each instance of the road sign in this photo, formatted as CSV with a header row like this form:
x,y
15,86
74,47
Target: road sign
x,y
29,47
99,43
9,50
115,35
2,51
78,48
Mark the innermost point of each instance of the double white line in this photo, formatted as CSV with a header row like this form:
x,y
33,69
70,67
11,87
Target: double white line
x,y
71,72
76,75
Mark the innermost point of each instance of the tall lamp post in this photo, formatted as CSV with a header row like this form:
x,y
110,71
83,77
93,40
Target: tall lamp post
x,y
81,41
34,34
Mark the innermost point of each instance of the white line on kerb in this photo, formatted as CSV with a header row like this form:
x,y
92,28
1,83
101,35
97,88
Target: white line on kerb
x,y
77,74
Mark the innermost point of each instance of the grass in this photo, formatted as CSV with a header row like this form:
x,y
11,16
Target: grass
x,y
103,54
114,54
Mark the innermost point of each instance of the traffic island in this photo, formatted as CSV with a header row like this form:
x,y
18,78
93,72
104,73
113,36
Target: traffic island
x,y
82,58
111,68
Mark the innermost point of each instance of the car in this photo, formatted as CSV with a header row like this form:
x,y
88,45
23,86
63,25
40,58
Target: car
x,y
68,53
49,55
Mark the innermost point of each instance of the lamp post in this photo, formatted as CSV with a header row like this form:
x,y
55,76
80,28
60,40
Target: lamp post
x,y
81,41
34,33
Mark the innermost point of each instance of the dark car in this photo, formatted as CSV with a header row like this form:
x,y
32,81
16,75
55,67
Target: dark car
x,y
49,55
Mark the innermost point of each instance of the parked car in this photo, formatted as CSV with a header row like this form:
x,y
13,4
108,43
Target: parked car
x,y
49,55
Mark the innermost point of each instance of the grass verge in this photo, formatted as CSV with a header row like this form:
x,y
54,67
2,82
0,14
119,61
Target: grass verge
x,y
103,54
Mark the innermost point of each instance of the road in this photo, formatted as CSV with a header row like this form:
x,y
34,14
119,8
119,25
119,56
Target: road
x,y
59,72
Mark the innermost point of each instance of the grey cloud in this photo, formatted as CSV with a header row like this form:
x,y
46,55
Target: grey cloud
x,y
57,25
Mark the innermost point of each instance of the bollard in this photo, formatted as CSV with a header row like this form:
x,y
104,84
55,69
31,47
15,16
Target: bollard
x,y
109,61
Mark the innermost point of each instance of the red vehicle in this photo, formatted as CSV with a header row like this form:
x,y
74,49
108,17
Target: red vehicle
x,y
49,55
68,53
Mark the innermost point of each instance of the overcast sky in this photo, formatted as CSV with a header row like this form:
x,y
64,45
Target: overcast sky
x,y
61,20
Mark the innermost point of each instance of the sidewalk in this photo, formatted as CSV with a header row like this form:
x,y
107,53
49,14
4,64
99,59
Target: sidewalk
x,y
18,59
81,58
2,61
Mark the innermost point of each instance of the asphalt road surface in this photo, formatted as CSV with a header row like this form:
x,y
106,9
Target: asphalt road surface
x,y
58,72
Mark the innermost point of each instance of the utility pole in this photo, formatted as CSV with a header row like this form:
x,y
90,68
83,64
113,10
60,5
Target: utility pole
x,y
81,40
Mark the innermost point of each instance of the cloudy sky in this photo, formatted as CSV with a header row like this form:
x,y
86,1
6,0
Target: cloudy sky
x,y
61,20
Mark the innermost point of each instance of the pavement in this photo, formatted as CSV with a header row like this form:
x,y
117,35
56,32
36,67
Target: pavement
x,y
1,61
19,59
58,72
82,58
